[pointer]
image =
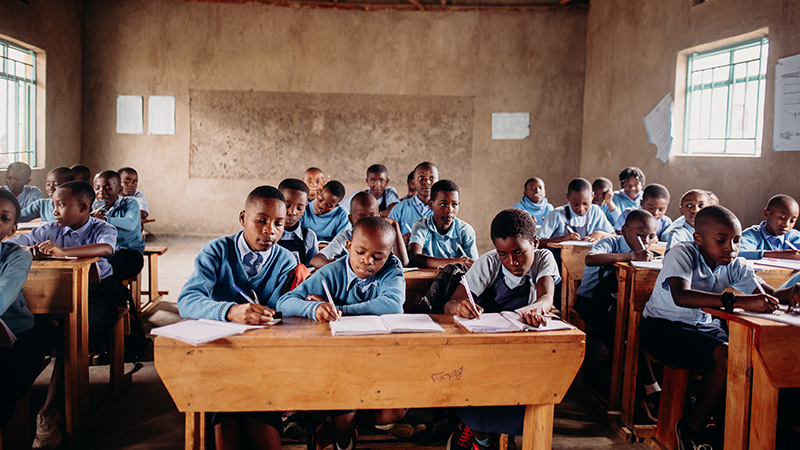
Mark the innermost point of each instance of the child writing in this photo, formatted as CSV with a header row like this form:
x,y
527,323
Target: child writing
x,y
674,327
534,200
378,186
655,200
579,219
18,175
603,196
300,240
43,208
681,231
408,211
81,173
130,184
314,179
323,215
441,238
775,237
630,196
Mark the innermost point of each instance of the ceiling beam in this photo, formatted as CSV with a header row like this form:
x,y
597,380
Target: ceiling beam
x,y
310,4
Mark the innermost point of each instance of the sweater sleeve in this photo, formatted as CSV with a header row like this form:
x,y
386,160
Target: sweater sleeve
x,y
195,300
131,215
12,277
294,303
390,297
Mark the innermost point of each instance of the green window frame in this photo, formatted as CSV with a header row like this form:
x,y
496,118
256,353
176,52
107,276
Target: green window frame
x,y
17,104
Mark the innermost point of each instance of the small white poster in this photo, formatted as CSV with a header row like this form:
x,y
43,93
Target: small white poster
x,y
511,126
129,114
161,114
786,127
658,126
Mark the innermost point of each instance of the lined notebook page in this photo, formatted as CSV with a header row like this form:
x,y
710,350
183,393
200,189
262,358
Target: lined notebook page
x,y
410,323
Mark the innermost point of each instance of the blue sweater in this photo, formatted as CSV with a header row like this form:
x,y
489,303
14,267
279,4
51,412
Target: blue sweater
x,y
209,292
15,263
754,244
125,216
327,225
40,209
385,293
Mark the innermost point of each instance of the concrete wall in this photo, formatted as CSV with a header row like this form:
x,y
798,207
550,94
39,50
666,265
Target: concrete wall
x,y
508,62
631,55
54,27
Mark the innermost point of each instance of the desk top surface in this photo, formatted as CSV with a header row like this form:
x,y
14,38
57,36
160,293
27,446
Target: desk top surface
x,y
49,264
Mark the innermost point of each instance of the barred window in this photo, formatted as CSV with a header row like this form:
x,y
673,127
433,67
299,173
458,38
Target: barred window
x,y
17,104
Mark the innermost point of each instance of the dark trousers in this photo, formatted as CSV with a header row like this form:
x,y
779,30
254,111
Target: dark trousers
x,y
126,263
19,367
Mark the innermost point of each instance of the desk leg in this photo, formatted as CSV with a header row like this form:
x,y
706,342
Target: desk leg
x,y
82,281
195,434
631,370
764,407
737,403
564,292
71,371
618,358
537,432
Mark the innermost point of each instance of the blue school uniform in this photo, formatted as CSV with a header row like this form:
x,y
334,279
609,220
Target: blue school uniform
x,y
28,195
792,281
124,215
537,210
458,241
338,246
624,202
678,232
756,240
382,293
388,199
408,211
611,216
328,225
40,209
555,223
302,241
15,263
662,223
591,274
223,263
143,206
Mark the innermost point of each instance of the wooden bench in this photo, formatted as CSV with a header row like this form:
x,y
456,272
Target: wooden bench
x,y
154,295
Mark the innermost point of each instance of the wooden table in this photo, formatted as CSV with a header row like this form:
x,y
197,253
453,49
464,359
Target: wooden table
x,y
298,365
417,284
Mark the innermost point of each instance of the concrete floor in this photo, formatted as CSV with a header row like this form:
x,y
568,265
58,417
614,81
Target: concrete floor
x,y
144,417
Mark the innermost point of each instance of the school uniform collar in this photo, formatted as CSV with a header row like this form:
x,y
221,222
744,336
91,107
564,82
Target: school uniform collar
x,y
352,278
82,232
623,245
117,204
451,232
530,204
297,233
244,250
776,242
513,281
420,207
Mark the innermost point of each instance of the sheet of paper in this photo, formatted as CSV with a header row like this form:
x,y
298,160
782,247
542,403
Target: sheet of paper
x,y
195,332
778,316
410,323
30,225
654,265
511,126
783,263
489,323
786,129
129,114
553,323
658,125
578,243
358,325
161,114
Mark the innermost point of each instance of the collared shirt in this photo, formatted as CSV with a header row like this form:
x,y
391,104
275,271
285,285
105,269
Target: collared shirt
x,y
143,206
757,239
327,225
458,241
662,223
28,195
591,274
305,238
407,212
537,210
623,202
244,250
488,267
40,209
388,198
361,284
555,224
338,246
124,215
676,234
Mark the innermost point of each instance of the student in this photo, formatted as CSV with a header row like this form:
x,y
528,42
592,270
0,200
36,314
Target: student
x,y
441,238
674,327
296,238
368,282
362,205
579,219
534,200
323,215
603,196
43,208
691,203
513,275
630,196
81,173
775,237
251,261
411,187
713,200
18,175
655,200
407,212
123,213
130,184
315,180
378,186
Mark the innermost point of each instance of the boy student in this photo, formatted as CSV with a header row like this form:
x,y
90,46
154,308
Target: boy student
x,y
323,215
315,180
296,238
513,275
579,219
441,238
630,196
81,173
378,186
43,208
407,212
603,196
674,327
655,200
534,200
251,262
367,282
410,185
18,175
775,237
682,230
130,183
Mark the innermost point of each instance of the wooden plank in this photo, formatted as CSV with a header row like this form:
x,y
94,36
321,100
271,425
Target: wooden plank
x,y
538,427
764,404
195,438
737,400
673,401
624,280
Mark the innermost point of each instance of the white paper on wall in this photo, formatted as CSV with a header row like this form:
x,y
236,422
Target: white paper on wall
x,y
161,114
786,126
511,126
129,114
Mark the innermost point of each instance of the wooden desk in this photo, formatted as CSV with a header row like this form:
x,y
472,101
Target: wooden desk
x,y
573,261
455,368
417,284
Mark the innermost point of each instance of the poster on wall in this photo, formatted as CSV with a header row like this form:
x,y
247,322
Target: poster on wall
x,y
161,114
786,128
511,126
129,114
658,126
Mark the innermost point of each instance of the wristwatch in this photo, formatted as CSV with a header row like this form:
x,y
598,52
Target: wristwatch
x,y
728,299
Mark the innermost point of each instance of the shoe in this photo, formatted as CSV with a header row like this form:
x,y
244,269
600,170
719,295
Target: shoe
x,y
48,433
494,442
294,427
323,437
462,439
402,429
650,404
687,440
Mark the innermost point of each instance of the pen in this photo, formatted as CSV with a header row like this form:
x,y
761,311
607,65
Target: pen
x,y
639,238
791,246
241,292
328,294
469,296
758,281
569,229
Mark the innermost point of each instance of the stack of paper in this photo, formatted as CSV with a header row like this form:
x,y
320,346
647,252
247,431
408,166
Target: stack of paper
x,y
783,263
779,315
655,264
30,225
508,322
578,243
197,332
385,324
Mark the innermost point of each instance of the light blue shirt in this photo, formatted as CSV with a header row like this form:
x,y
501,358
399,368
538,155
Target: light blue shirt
x,y
338,246
28,195
662,223
591,274
40,209
685,261
792,281
143,206
244,250
612,216
624,202
15,263
306,236
458,241
328,225
537,210
555,224
756,240
675,234
124,215
389,197
407,212
487,268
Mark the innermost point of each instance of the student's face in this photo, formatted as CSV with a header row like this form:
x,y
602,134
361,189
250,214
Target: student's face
x,y
314,179
655,206
369,251
516,253
106,189
445,209
580,201
325,202
51,183
296,202
424,177
68,210
8,215
640,229
781,218
631,187
412,187
691,205
130,181
598,195
15,181
263,220
377,183
359,210
535,191
719,243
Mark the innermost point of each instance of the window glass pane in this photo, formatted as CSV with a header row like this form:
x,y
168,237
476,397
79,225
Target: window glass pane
x,y
747,54
17,104
706,62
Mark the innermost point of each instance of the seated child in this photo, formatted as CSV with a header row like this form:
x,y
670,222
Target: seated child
x,y
130,185
407,212
630,196
378,185
296,238
534,200
251,261
674,327
368,282
43,208
315,180
410,185
363,204
655,200
681,231
323,215
579,219
775,237
123,213
81,173
713,200
18,175
603,196
441,238
513,275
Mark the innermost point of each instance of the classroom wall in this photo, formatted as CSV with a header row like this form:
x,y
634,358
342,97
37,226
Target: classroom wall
x,y
631,56
507,62
55,27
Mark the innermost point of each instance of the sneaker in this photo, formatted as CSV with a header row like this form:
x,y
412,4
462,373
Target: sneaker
x,y
294,427
650,404
402,429
687,440
48,434
462,439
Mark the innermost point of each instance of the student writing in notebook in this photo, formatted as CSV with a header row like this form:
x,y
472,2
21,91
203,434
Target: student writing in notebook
x,y
43,208
775,237
578,220
655,200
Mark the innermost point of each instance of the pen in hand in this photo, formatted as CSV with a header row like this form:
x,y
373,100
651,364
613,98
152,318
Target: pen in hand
x,y
328,294
241,292
471,299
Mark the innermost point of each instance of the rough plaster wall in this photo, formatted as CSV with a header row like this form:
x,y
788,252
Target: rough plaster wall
x,y
507,62
55,27
631,59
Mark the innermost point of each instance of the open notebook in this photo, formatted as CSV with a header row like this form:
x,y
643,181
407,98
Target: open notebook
x,y
385,324
197,332
779,315
508,321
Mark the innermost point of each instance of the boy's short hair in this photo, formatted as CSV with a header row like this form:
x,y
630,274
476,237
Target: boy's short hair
x,y
424,164
20,167
80,170
694,191
715,214
604,183
579,185
314,169
293,184
361,197
780,199
375,224
81,190
443,186
639,215
377,168
6,194
410,176
109,174
128,169
62,173
655,190
335,188
513,223
631,172
531,180
264,192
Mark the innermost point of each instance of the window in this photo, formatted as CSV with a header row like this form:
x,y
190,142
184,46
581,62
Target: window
x,y
725,99
17,104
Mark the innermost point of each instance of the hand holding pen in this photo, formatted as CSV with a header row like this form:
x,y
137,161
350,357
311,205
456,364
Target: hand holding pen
x,y
250,313
643,254
473,309
327,311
